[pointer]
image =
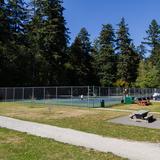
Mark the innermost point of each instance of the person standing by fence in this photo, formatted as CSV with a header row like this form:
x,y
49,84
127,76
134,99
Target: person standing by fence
x,y
125,92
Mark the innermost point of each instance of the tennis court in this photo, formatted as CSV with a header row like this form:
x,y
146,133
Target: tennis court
x,y
86,102
71,95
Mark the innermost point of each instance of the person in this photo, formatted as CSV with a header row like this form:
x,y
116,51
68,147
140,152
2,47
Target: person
x,y
125,92
82,97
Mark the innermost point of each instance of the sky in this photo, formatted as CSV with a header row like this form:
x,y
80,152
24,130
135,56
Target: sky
x,y
91,14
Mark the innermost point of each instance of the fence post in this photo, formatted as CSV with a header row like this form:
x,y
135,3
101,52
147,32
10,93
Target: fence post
x,y
146,93
88,96
56,94
129,91
93,91
109,95
13,94
71,96
22,94
5,94
44,94
32,93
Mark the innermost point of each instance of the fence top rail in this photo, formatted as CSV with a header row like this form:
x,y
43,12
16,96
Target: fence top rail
x,y
47,87
78,87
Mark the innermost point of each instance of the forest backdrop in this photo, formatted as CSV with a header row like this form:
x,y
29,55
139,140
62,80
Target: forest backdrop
x,y
35,50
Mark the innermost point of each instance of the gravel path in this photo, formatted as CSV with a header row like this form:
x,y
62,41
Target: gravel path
x,y
128,149
127,121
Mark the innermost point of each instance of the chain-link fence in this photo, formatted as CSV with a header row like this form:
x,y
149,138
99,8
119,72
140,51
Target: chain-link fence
x,y
86,96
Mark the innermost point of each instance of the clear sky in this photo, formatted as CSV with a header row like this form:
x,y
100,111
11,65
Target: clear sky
x,y
93,13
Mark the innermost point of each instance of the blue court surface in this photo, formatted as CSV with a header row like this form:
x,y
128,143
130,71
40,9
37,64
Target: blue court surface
x,y
77,101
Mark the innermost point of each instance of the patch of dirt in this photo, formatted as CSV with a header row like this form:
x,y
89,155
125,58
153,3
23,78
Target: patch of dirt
x,y
72,113
46,113
12,140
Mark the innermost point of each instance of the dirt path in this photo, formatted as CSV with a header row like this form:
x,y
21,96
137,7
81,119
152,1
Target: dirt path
x,y
128,149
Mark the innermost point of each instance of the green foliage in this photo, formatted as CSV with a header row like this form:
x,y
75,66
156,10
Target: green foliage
x,y
147,75
153,40
104,56
141,49
80,59
50,38
153,34
4,23
34,50
121,83
128,58
149,70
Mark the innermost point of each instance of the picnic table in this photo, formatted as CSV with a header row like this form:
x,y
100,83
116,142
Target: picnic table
x,y
142,115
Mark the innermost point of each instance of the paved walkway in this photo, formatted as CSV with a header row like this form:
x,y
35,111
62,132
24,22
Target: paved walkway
x,y
128,149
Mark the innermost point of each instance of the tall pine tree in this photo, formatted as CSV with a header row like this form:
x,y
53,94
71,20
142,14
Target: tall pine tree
x,y
52,38
48,38
128,59
153,40
105,58
18,18
80,59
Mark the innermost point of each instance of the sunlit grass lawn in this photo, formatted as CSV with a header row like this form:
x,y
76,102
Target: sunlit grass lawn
x,y
154,107
20,146
83,119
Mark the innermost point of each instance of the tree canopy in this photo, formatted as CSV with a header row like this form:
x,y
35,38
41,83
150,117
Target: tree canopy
x,y
35,50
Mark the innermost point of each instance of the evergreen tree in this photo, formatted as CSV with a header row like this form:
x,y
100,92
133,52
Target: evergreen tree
x,y
52,37
18,18
5,55
80,59
4,24
34,53
147,75
105,58
153,40
18,15
153,34
85,41
128,58
141,49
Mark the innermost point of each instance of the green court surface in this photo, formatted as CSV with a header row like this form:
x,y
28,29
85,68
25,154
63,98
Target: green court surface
x,y
86,102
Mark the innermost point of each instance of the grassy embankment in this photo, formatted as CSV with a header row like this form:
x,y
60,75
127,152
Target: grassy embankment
x,y
83,119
